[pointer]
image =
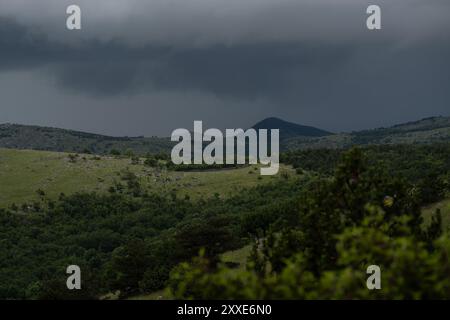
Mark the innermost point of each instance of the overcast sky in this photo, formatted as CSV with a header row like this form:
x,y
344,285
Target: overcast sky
x,y
147,67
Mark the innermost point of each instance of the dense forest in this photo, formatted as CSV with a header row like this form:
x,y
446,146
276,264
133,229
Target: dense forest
x,y
313,234
427,167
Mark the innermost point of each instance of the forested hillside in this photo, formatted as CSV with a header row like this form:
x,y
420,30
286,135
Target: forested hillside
x,y
361,216
16,136
425,131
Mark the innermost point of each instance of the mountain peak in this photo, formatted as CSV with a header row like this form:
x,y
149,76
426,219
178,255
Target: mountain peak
x,y
290,129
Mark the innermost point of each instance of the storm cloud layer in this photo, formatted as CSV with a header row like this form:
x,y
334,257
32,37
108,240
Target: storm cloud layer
x,y
312,62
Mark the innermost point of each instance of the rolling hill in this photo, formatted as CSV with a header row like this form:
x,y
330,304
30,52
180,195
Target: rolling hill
x,y
428,130
15,136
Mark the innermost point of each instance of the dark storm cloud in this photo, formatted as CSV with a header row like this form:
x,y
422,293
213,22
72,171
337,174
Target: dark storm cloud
x,y
109,68
244,71
277,71
303,60
20,48
284,52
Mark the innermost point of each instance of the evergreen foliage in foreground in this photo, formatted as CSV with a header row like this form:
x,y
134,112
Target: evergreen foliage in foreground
x,y
361,217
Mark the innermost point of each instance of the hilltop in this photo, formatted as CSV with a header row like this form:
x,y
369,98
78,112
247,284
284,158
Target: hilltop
x,y
289,129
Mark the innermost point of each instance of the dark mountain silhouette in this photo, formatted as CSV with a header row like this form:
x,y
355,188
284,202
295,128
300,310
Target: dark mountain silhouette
x,y
289,129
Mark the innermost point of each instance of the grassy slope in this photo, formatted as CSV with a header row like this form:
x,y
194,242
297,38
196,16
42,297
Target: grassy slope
x,y
22,172
238,256
444,206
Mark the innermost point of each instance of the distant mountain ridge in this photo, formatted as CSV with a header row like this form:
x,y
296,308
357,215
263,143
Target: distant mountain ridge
x,y
292,136
424,131
16,136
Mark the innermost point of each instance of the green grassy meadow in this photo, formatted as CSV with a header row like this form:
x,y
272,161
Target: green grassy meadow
x,y
23,172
